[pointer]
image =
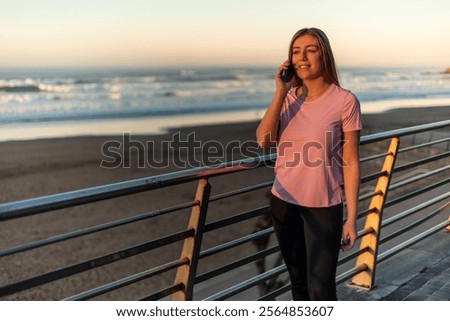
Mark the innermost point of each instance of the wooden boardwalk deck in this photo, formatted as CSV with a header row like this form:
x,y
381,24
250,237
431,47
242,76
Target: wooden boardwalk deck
x,y
422,272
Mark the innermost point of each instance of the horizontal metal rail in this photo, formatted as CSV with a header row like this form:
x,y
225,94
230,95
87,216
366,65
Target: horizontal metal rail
x,y
403,132
353,255
240,191
90,264
231,244
241,287
94,194
421,162
236,218
373,157
163,293
405,149
272,295
366,212
416,192
38,205
127,281
369,195
415,239
351,273
364,232
93,229
415,147
412,225
236,264
416,178
372,177
69,199
413,210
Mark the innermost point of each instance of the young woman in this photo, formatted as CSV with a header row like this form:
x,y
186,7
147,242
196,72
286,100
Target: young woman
x,y
316,124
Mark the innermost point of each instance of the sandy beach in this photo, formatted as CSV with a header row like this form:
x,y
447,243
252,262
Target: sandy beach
x,y
33,168
42,167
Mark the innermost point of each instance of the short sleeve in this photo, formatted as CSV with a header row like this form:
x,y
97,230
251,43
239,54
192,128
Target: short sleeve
x,y
351,116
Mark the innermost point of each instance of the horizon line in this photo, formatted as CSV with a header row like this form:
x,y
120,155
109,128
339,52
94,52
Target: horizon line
x,y
193,66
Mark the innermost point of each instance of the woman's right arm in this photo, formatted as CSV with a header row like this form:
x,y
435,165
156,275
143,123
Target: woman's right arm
x,y
266,133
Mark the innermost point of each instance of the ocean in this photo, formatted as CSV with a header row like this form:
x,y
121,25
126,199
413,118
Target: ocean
x,y
58,103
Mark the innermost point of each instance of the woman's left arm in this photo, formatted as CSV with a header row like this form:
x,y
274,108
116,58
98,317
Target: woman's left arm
x,y
351,172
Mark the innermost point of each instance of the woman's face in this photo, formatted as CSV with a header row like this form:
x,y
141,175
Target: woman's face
x,y
307,58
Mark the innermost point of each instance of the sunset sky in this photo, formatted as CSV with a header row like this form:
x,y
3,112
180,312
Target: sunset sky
x,y
178,33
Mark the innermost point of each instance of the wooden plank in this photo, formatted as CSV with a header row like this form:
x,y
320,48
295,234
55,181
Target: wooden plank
x,y
366,278
191,245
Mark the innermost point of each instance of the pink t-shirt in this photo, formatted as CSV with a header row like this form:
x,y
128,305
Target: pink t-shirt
x,y
309,152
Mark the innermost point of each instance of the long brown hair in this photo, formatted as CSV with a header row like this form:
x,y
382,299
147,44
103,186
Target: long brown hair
x,y
328,63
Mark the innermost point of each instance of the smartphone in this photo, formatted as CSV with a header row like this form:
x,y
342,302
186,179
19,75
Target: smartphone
x,y
288,73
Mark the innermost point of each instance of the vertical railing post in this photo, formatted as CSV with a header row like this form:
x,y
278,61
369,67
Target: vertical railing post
x,y
366,278
191,246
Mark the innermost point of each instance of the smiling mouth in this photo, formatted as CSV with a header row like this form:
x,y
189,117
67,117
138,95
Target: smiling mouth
x,y
303,67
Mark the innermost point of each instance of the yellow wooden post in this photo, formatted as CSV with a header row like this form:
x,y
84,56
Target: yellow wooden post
x,y
191,246
373,221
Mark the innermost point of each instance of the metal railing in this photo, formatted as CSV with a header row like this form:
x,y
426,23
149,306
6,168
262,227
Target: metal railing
x,y
241,266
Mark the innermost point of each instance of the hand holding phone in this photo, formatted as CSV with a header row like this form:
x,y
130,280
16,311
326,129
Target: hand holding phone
x,y
287,74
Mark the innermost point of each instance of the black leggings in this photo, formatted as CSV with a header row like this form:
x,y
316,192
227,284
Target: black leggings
x,y
309,240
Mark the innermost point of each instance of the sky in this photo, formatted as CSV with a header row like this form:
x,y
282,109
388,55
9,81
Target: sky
x,y
135,33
